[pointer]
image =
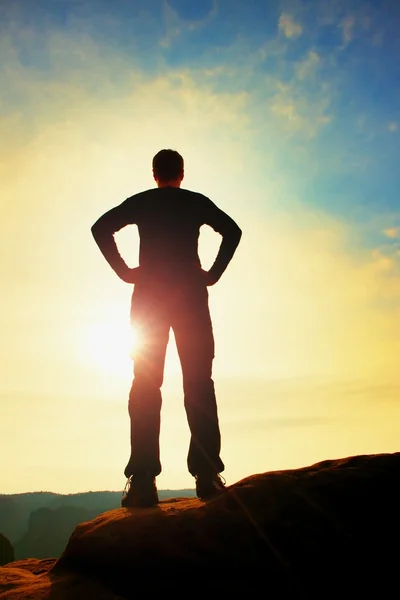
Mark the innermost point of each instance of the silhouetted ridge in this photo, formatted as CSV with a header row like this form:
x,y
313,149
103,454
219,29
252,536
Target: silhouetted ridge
x,y
325,531
6,551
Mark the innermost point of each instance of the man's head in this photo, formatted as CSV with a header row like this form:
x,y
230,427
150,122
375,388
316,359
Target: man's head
x,y
168,168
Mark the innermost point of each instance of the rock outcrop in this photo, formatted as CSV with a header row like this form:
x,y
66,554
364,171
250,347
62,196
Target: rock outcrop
x,y
322,531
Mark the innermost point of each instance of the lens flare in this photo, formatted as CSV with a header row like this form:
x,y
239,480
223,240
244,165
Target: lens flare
x,y
111,346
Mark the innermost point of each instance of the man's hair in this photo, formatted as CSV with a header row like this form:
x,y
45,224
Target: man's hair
x,y
167,165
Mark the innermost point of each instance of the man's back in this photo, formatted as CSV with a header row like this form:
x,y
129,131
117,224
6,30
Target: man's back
x,y
169,221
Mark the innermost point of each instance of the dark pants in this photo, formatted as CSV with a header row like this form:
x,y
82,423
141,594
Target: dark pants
x,y
159,304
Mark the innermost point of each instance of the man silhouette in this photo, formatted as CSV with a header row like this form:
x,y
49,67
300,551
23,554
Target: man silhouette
x,y
170,292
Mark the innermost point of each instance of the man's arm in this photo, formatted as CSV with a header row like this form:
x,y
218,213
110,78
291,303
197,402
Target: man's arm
x,y
231,234
103,232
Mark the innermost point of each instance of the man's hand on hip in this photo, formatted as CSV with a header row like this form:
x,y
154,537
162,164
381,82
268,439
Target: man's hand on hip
x,y
130,275
209,278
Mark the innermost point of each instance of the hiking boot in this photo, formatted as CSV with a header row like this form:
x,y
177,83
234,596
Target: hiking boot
x,y
209,486
140,492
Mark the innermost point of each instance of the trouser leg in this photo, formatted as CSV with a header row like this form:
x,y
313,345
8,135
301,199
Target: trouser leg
x,y
195,343
145,397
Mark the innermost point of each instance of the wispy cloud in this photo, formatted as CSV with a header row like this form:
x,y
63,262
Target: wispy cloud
x,y
173,25
297,109
307,67
296,116
289,27
178,22
347,26
364,22
392,232
393,127
382,261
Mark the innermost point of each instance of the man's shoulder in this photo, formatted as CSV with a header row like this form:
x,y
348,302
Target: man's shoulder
x,y
193,196
142,195
156,192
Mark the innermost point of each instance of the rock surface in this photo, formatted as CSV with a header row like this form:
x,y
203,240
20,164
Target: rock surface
x,y
322,531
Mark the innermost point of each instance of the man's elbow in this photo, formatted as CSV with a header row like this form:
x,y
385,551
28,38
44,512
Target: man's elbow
x,y
232,236
98,232
238,234
95,230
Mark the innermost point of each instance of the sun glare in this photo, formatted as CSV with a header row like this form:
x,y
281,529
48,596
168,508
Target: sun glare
x,y
111,346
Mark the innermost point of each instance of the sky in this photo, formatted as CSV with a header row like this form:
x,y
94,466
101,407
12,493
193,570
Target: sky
x,y
287,114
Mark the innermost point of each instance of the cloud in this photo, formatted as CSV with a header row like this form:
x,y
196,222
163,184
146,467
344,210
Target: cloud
x,y
307,67
347,26
363,20
194,12
392,232
298,111
173,26
393,127
182,18
381,261
289,27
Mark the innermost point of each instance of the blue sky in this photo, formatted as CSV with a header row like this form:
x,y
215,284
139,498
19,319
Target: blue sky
x,y
329,69
288,117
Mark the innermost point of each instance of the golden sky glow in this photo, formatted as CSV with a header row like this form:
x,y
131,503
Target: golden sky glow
x,y
306,318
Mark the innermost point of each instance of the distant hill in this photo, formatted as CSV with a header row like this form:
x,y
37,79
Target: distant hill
x,y
6,551
39,524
